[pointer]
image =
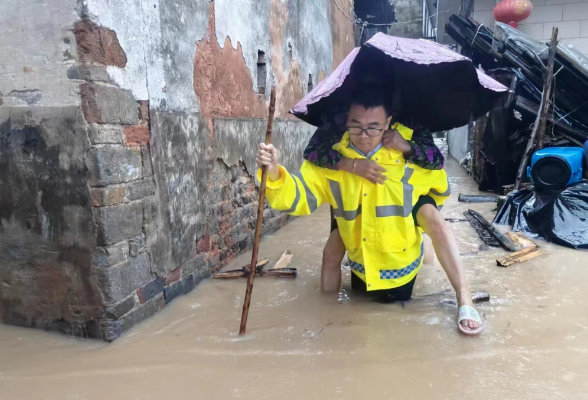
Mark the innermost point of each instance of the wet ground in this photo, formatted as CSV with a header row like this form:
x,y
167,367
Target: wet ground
x,y
302,344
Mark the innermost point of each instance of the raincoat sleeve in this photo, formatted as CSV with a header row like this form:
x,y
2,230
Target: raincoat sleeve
x,y
319,150
440,189
298,193
426,154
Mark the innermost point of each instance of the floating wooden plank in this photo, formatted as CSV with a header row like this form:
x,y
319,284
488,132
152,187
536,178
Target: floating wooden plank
x,y
481,231
240,273
521,240
284,260
466,198
260,264
519,256
456,220
504,240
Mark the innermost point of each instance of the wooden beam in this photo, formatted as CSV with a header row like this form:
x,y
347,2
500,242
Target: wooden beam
x,y
284,260
519,256
539,128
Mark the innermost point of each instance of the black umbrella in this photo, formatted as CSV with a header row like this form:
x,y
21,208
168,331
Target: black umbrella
x,y
427,82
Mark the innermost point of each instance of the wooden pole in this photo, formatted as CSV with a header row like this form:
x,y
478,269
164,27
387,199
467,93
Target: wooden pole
x,y
541,119
261,202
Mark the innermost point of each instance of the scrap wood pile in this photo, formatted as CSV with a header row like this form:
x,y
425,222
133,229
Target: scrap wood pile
x,y
521,247
519,63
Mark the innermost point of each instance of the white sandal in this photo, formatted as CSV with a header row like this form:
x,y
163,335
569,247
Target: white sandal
x,y
468,312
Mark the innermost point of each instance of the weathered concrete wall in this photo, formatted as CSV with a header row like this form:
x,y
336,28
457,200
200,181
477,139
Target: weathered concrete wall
x,y
47,231
150,115
38,47
408,10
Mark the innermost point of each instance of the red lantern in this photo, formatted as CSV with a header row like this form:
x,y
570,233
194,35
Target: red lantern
x,y
512,11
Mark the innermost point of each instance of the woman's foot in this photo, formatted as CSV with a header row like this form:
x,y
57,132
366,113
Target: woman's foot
x,y
469,324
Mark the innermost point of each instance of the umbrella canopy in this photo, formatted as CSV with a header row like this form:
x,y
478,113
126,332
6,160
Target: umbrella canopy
x,y
428,83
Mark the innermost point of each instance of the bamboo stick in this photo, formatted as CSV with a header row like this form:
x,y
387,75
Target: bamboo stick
x,y
261,202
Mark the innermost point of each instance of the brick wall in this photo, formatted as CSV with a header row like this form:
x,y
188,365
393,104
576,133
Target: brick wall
x,y
570,16
127,153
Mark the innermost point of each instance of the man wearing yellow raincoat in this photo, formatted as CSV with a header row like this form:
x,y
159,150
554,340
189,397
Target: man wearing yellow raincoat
x,y
377,223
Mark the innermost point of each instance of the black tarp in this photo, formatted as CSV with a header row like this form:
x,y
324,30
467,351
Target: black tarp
x,y
557,216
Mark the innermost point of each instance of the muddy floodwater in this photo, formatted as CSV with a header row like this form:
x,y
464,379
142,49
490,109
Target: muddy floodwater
x,y
302,344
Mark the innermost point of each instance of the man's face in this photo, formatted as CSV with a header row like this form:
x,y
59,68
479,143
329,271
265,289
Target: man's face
x,y
373,121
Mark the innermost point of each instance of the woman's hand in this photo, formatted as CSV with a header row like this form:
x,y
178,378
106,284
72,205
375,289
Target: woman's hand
x,y
392,139
366,169
267,156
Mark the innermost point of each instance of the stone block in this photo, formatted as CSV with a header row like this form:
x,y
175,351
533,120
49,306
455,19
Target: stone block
x,y
136,135
108,196
484,5
111,255
113,164
534,31
119,281
545,14
150,290
97,44
226,192
179,288
117,223
584,29
227,209
105,134
574,12
173,276
203,244
196,264
484,17
121,308
108,105
554,2
140,189
566,30
146,160
88,73
134,247
112,329
214,261
144,112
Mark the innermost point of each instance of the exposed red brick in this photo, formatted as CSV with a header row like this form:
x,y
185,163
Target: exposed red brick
x,y
136,135
98,44
89,106
173,276
222,80
108,196
203,244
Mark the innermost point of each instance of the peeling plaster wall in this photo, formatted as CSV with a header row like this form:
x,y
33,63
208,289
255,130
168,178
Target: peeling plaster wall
x,y
158,39
247,25
37,49
128,131
234,143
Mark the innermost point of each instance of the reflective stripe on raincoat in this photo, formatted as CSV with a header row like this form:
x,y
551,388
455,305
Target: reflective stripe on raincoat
x,y
375,221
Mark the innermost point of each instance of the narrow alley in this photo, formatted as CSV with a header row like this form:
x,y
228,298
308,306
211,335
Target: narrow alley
x,y
534,347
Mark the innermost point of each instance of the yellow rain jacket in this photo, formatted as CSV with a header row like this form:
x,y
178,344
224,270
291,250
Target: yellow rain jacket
x,y
375,221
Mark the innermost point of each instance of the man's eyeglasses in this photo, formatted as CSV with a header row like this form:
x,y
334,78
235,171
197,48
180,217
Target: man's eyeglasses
x,y
356,131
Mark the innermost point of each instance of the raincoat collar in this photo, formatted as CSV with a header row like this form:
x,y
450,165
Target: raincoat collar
x,y
381,156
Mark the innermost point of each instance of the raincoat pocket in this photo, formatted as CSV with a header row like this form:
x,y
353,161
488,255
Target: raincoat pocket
x,y
395,234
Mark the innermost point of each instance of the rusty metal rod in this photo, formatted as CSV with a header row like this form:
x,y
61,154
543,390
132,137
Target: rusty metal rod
x,y
257,237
